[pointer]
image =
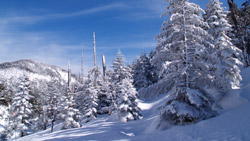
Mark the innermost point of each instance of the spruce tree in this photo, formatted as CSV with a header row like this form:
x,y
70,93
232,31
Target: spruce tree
x,y
142,72
90,101
239,18
53,102
127,108
69,114
184,53
120,70
227,54
22,108
125,97
104,96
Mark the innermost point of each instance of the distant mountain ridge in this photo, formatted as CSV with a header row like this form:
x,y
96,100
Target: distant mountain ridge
x,y
10,72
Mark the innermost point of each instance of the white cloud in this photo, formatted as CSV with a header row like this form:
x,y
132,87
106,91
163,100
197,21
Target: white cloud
x,y
38,47
48,48
33,19
146,10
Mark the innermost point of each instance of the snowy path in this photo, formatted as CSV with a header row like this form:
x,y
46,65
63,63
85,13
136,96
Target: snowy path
x,y
232,124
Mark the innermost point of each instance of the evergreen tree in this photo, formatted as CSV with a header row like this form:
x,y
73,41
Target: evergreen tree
x,y
90,101
184,51
53,103
240,20
120,70
127,108
102,89
245,14
6,95
22,108
226,52
69,114
87,99
142,72
104,96
125,104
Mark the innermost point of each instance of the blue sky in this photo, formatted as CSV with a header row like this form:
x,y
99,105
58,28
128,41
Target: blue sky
x,y
53,31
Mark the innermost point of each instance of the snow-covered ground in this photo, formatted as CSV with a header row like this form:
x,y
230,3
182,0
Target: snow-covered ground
x,y
232,124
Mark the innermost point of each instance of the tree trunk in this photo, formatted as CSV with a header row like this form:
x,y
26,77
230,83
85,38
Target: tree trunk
x,y
52,125
44,118
104,67
231,5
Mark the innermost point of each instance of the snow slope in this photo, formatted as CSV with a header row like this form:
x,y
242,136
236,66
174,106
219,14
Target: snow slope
x,y
11,72
232,124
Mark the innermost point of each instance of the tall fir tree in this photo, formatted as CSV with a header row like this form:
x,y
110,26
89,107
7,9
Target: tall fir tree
x,y
69,113
88,95
142,72
90,101
245,14
239,18
53,102
104,96
127,106
125,97
22,108
184,53
228,55
120,70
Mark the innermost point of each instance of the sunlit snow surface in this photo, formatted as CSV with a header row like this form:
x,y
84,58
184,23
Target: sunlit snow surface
x,y
232,124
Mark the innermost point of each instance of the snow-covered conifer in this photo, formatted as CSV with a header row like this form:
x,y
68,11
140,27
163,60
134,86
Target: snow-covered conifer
x,y
120,70
184,54
22,109
125,95
127,108
70,115
142,72
227,54
90,101
53,102
104,96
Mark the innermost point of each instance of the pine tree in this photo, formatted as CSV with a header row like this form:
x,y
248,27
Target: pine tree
x,y
6,95
226,52
88,95
184,51
127,108
142,72
70,115
22,108
120,70
53,102
239,18
125,104
245,14
104,96
90,101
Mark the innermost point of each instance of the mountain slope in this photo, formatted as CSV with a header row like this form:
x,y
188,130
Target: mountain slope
x,y
11,72
232,124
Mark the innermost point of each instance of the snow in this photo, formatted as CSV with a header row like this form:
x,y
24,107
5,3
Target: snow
x,y
232,124
3,119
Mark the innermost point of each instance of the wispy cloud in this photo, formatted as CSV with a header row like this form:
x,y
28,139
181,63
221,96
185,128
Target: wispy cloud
x,y
50,48
88,11
37,18
147,10
39,47
131,45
